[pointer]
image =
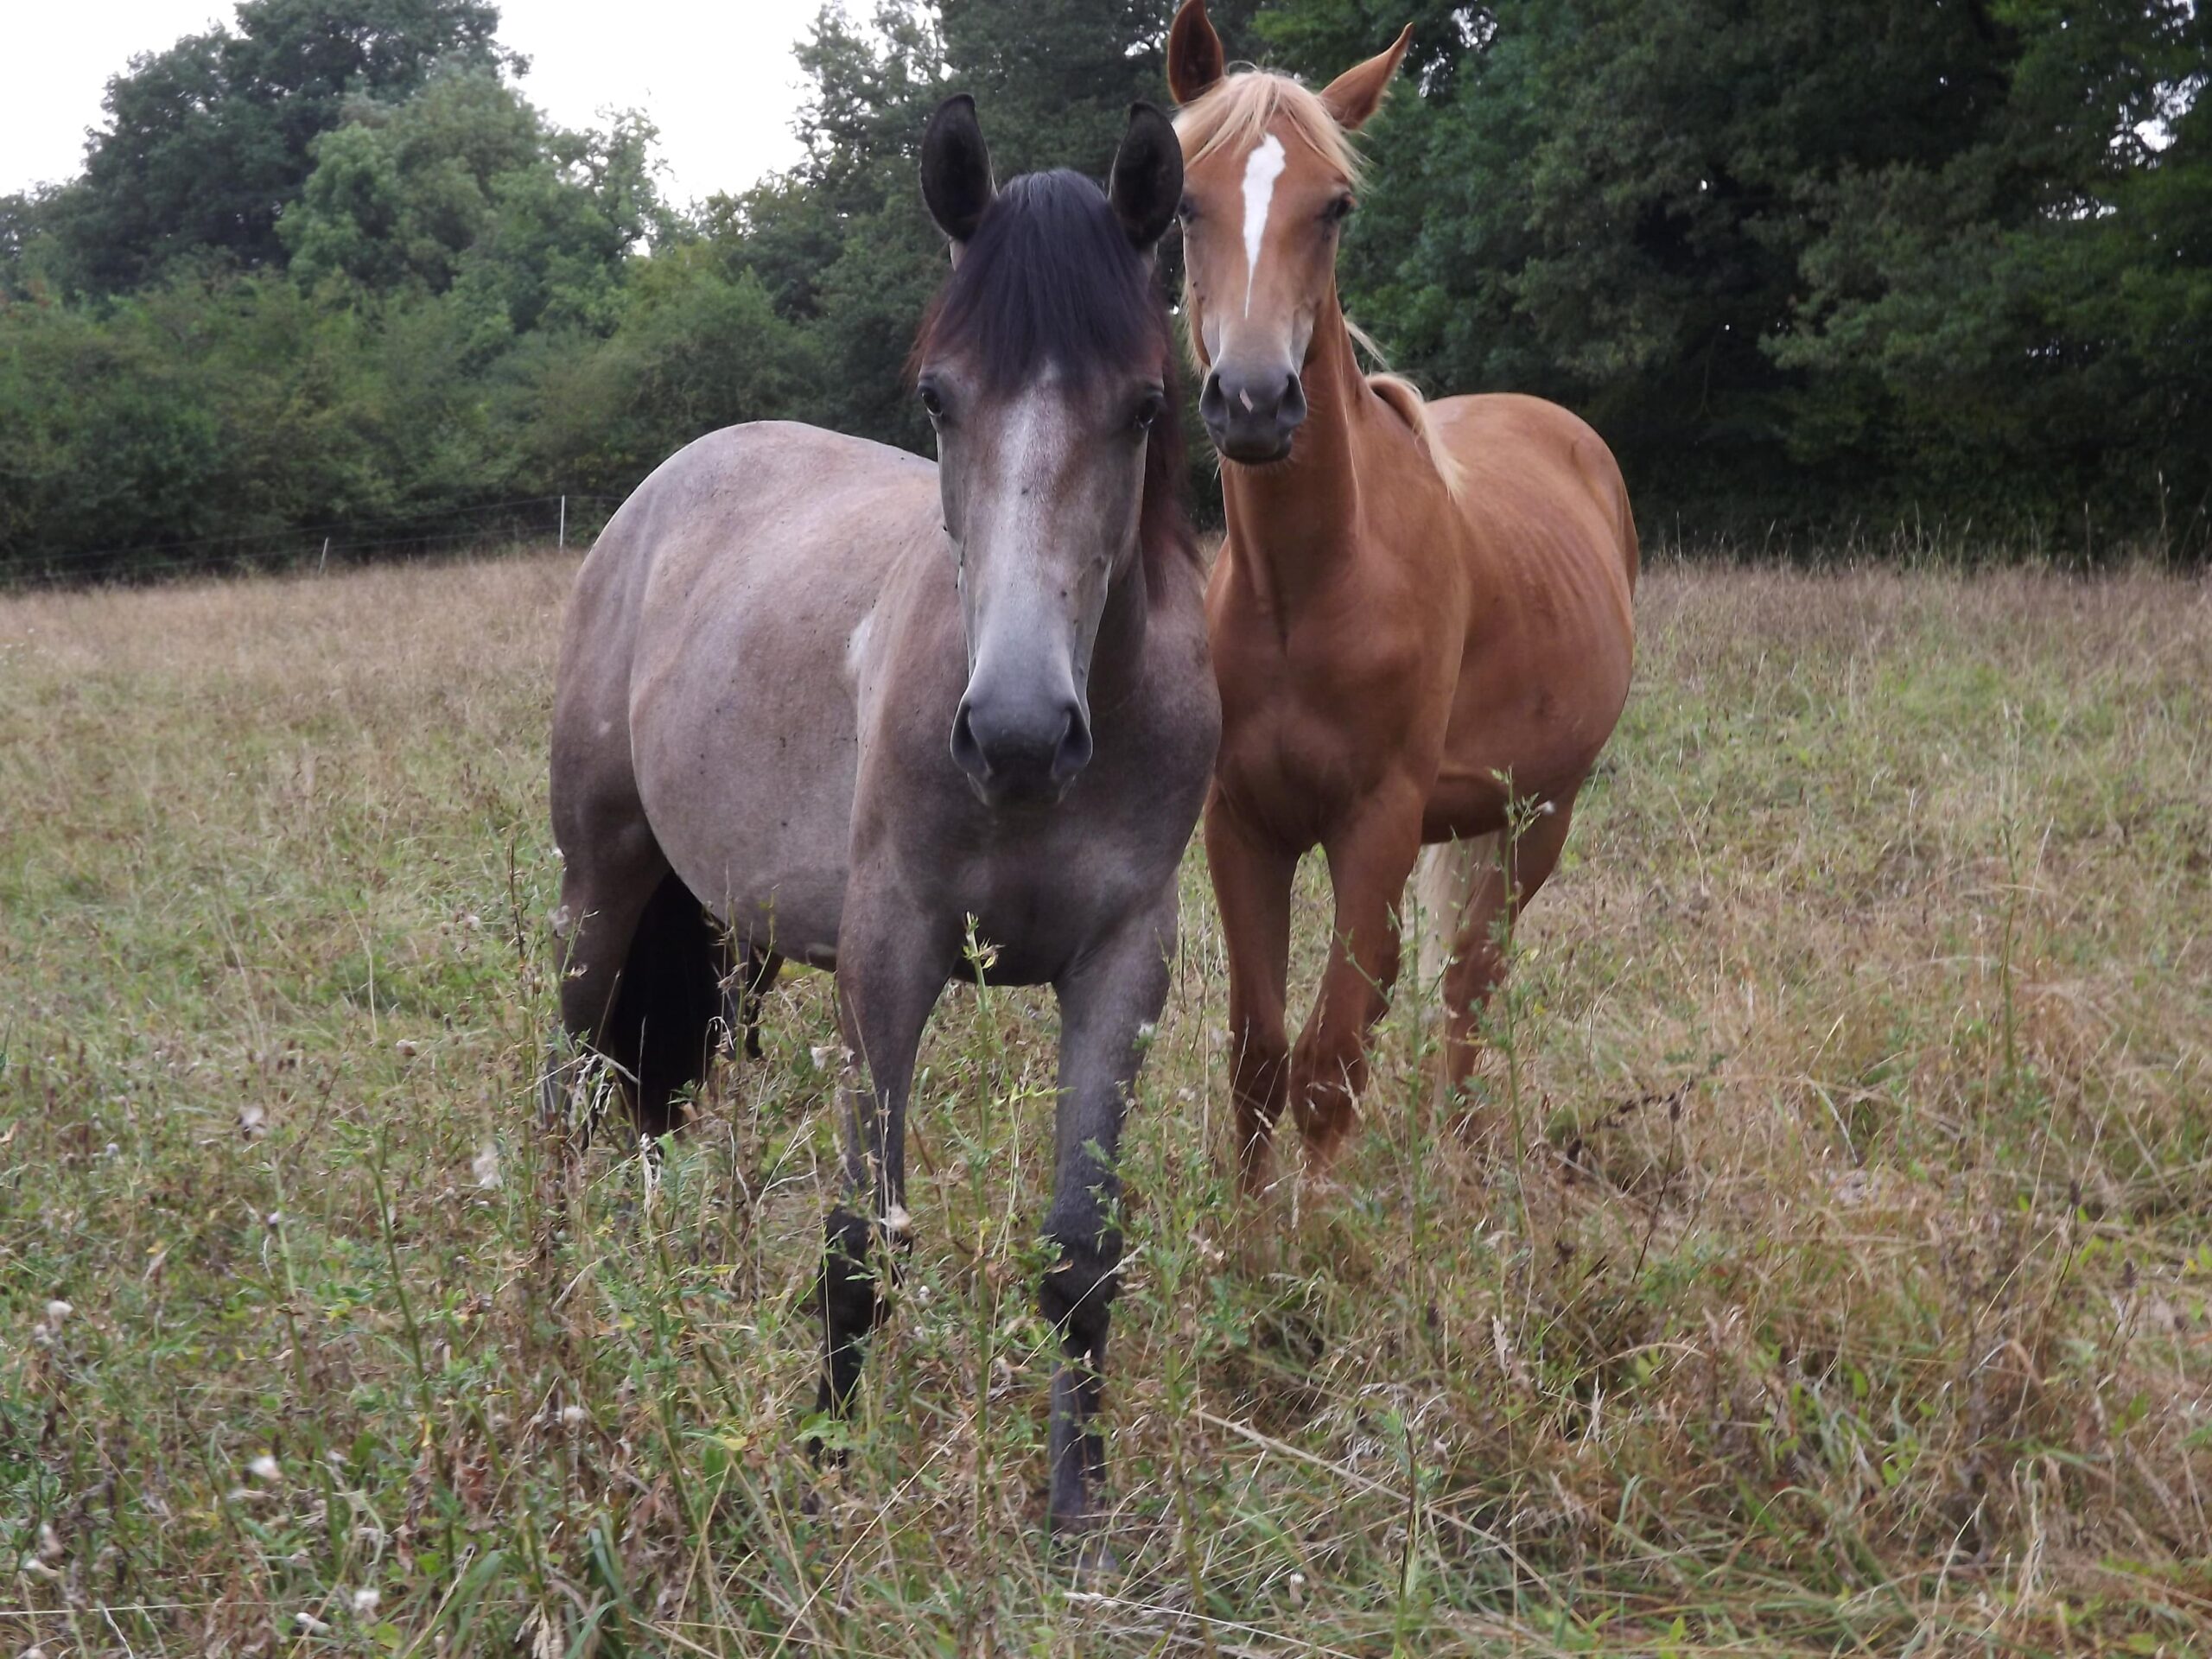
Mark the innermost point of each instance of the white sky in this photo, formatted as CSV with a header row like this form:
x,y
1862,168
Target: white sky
x,y
716,76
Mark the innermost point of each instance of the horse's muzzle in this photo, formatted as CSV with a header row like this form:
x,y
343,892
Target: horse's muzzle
x,y
1252,416
1020,752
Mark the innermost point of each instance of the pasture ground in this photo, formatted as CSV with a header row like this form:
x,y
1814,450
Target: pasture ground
x,y
1839,1283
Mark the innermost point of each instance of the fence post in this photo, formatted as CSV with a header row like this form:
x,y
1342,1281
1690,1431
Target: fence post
x,y
323,563
564,521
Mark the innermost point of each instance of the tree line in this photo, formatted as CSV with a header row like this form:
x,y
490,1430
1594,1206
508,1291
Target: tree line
x,y
1810,269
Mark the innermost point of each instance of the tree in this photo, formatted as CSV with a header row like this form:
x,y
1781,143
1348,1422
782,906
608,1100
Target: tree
x,y
1750,241
401,193
2026,321
206,142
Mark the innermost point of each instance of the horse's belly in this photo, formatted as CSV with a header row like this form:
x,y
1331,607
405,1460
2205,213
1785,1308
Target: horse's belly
x,y
1524,731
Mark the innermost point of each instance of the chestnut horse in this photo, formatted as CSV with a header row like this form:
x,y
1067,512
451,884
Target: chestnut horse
x,y
1421,617
820,699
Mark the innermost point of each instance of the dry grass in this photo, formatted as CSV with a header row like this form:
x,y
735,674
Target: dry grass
x,y
1843,1290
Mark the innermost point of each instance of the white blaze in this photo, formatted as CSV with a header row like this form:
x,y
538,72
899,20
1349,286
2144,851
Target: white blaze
x,y
1261,168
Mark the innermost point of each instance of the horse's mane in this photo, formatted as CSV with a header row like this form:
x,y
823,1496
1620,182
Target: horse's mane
x,y
1049,280
1235,113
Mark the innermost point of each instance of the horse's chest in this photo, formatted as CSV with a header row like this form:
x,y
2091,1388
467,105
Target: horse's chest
x,y
1033,902
1309,727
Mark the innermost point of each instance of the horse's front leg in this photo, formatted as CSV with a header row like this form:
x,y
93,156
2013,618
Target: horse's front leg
x,y
1252,876
1108,1003
1370,859
889,976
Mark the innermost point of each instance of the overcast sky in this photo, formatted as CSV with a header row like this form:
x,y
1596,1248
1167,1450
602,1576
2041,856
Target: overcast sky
x,y
718,78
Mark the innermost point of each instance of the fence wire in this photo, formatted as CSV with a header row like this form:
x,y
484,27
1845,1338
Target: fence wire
x,y
575,520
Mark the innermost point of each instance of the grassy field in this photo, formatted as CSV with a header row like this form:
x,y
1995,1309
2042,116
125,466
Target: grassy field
x,y
1843,1287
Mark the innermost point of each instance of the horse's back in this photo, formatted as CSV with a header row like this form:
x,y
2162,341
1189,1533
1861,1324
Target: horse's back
x,y
1550,644
711,660
1536,471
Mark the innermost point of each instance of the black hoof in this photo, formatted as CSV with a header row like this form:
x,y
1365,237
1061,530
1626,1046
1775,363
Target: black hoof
x,y
1090,1558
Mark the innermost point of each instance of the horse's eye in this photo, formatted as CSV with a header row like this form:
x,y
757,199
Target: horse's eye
x,y
1339,210
1186,210
932,405
1148,411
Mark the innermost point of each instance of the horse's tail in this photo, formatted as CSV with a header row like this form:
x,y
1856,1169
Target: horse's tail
x,y
1444,880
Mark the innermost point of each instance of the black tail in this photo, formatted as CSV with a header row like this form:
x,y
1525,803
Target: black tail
x,y
671,992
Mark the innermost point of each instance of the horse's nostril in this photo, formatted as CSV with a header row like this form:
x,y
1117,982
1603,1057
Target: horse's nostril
x,y
1073,754
1213,403
967,753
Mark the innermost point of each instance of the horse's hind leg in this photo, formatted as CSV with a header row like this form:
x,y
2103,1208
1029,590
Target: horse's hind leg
x,y
639,965
608,875
1467,897
744,993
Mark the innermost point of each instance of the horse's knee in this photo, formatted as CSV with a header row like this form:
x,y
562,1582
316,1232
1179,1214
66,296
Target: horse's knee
x,y
1076,1293
1257,1069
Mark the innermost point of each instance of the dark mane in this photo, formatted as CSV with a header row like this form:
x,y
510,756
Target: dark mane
x,y
1049,281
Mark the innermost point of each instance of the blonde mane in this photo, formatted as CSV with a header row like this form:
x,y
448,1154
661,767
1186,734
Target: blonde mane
x,y
1235,114
1237,111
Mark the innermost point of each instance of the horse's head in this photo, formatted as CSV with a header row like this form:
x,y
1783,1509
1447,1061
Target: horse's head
x,y
1044,366
1269,181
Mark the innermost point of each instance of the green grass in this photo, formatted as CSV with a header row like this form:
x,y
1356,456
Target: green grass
x,y
1843,1287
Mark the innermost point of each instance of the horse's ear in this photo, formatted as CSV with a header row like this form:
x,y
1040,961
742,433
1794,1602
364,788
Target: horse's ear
x,y
1357,93
1147,183
1194,55
956,169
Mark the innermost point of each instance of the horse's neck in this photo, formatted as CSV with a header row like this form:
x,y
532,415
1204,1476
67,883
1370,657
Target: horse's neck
x,y
1294,523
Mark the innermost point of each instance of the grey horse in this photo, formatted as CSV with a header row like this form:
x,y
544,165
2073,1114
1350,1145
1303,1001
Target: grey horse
x,y
820,700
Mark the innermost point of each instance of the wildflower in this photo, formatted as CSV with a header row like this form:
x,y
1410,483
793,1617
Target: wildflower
x,y
58,1312
264,1468
366,1602
486,1165
253,1121
310,1625
573,1417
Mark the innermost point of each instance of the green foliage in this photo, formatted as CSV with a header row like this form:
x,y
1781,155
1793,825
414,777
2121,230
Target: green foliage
x,y
2036,305
401,193
1802,262
206,141
697,350
1868,262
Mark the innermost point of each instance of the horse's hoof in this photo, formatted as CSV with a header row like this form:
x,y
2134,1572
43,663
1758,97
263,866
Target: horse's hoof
x,y
552,1100
1091,1561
